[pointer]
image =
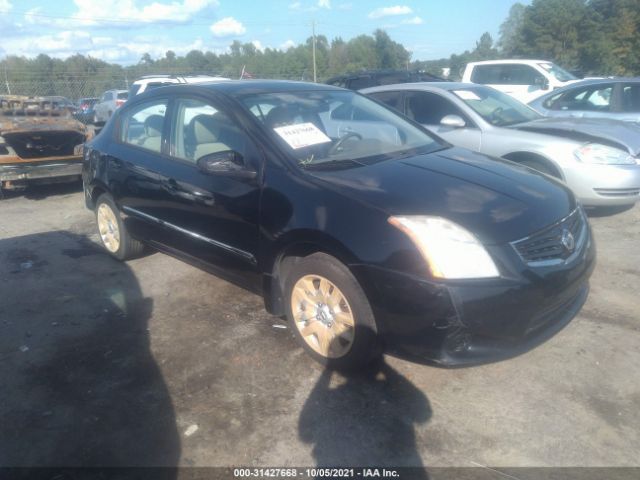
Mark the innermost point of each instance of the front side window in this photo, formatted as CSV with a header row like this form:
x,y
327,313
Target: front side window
x,y
200,129
430,108
506,74
496,107
520,75
327,127
143,124
391,99
594,98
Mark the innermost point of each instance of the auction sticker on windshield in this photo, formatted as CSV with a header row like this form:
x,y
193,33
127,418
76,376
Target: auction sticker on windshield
x,y
302,135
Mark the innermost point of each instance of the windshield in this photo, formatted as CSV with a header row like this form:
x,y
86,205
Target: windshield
x,y
560,74
326,127
495,107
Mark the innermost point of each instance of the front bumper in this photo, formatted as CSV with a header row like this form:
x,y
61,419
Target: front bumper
x,y
40,170
471,322
603,185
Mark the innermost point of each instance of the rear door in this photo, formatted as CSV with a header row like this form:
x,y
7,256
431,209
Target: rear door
x,y
629,104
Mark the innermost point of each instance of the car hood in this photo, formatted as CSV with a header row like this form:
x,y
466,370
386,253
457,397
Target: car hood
x,y
497,200
624,135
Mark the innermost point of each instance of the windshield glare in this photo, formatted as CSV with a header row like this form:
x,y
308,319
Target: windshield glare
x,y
318,127
560,74
495,107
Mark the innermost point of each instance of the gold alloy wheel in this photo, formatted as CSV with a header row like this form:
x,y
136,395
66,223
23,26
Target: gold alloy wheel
x,y
108,228
323,316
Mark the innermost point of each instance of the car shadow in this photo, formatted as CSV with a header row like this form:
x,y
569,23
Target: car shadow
x,y
597,212
364,419
80,385
43,191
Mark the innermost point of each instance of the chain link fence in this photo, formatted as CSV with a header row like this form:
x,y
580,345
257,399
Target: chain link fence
x,y
87,85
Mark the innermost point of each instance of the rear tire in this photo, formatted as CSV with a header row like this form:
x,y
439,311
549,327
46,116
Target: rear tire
x,y
113,234
330,314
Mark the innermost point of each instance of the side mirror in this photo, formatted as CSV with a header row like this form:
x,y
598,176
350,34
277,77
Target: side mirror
x,y
542,82
227,163
453,121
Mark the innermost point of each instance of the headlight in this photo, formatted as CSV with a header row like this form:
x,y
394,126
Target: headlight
x,y
601,154
450,251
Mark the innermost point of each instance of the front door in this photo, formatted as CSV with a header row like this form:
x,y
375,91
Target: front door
x,y
209,219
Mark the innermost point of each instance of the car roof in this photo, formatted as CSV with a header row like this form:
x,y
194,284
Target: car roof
x,y
511,60
248,87
421,86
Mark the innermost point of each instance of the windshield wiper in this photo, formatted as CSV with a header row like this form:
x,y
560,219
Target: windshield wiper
x,y
331,163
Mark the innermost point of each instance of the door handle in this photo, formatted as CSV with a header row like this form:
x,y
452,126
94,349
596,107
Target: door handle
x,y
170,184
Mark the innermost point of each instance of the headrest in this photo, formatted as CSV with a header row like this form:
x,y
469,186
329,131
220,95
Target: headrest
x,y
278,117
153,125
206,129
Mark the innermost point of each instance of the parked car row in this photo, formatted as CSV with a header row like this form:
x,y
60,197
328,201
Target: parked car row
x,y
596,158
366,230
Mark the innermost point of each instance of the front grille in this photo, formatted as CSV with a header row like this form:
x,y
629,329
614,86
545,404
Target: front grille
x,y
547,246
618,192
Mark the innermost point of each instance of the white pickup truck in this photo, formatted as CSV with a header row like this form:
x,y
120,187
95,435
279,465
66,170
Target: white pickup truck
x,y
524,80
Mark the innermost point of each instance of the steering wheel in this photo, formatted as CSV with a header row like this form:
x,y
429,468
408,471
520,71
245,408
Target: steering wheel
x,y
335,148
495,115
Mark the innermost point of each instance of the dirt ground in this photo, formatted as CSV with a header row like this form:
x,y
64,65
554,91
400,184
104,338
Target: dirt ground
x,y
154,362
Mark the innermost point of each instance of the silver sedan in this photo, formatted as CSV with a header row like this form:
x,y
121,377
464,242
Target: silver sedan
x,y
613,98
598,159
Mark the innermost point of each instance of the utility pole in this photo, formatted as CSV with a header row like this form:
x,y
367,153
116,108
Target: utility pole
x,y
313,49
6,79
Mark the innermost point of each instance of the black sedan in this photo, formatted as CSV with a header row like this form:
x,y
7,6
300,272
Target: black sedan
x,y
367,232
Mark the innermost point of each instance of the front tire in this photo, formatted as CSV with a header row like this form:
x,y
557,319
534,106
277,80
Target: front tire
x,y
330,314
113,234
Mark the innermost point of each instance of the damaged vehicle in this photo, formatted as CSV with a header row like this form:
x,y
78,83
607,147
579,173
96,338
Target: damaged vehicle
x,y
597,158
368,235
39,142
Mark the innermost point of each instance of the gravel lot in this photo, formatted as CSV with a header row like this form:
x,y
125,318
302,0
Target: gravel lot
x,y
154,362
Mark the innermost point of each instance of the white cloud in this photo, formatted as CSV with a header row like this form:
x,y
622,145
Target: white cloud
x,y
390,11
112,12
324,4
227,27
5,5
110,49
258,45
345,6
295,6
287,45
413,21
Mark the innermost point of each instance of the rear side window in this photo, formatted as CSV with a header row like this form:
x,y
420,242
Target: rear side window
x,y
143,124
631,98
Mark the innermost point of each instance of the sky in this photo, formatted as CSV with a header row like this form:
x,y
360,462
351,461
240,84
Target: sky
x,y
121,31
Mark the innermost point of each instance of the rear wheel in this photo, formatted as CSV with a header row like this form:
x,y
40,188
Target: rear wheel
x,y
330,314
113,233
